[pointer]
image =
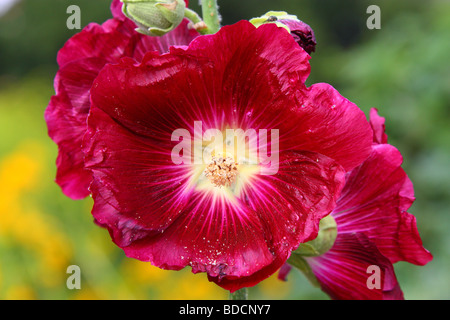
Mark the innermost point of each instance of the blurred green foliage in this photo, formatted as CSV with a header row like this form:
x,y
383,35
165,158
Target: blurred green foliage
x,y
402,70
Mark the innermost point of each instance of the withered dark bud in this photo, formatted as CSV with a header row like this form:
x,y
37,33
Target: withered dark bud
x,y
302,32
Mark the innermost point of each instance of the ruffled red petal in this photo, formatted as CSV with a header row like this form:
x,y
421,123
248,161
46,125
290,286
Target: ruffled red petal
x,y
374,202
345,271
373,226
378,127
96,41
284,271
134,174
66,121
116,10
80,60
331,125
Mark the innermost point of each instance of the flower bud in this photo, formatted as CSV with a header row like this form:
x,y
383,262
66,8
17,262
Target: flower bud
x,y
324,241
301,32
154,17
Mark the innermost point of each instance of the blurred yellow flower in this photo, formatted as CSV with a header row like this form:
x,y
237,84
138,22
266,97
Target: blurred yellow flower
x,y
23,224
170,285
20,292
273,288
186,285
143,272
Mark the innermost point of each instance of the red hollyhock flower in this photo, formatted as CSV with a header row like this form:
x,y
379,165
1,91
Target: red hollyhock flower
x,y
374,228
80,61
224,217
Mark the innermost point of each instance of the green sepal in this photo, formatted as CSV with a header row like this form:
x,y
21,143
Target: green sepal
x,y
324,240
301,264
154,17
269,18
173,16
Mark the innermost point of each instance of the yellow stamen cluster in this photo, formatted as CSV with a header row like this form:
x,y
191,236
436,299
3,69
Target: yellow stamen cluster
x,y
221,171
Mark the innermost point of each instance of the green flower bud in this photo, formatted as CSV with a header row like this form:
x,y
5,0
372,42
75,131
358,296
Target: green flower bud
x,y
154,17
324,241
273,17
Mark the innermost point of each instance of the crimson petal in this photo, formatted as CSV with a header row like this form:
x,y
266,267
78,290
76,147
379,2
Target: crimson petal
x,y
331,125
80,60
66,121
374,201
378,127
343,272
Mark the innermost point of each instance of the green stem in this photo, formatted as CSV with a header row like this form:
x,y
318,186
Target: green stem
x,y
241,294
211,17
199,25
192,15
